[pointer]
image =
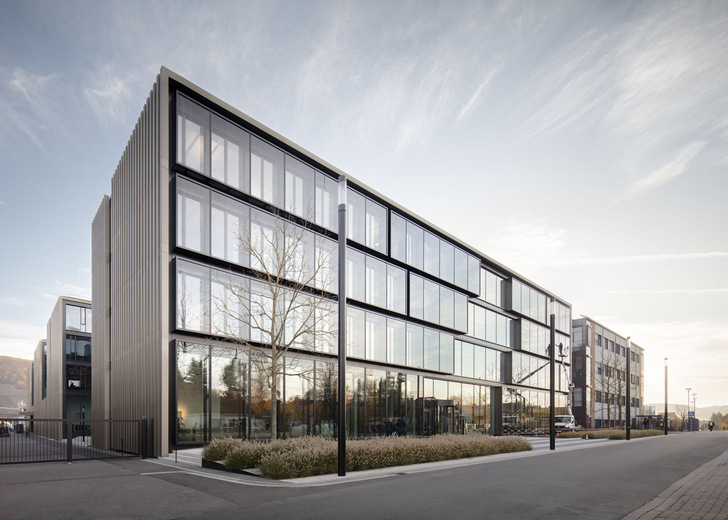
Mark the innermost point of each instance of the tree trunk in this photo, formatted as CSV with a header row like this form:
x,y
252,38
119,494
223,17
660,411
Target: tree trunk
x,y
274,398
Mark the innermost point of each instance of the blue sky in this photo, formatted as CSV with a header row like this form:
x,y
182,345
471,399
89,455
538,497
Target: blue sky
x,y
583,144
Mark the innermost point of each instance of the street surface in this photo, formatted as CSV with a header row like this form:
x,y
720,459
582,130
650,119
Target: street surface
x,y
580,480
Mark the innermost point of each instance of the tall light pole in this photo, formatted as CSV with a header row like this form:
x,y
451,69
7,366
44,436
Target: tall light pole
x,y
688,412
341,419
628,422
552,376
665,396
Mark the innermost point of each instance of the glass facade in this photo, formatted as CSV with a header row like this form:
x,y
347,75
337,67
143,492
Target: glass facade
x,y
429,329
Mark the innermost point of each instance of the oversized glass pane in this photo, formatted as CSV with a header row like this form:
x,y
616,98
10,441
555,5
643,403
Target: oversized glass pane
x,y
461,312
516,295
396,401
299,320
473,274
261,312
299,407
265,234
355,402
491,366
193,216
461,268
541,308
355,337
260,398
417,297
501,334
376,410
192,384
447,307
327,326
479,362
396,342
299,189
326,399
468,359
415,238
525,300
83,348
230,154
327,202
479,319
355,275
413,393
490,326
432,254
193,297
356,217
376,282
399,238
376,226
432,349
447,261
415,343
229,229
458,358
432,302
468,410
229,302
266,172
78,318
193,131
327,265
229,392
376,337
447,344
396,289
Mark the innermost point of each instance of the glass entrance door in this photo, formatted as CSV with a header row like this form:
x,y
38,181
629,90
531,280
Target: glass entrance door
x,y
438,417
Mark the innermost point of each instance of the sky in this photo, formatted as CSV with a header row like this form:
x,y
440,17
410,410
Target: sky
x,y
582,144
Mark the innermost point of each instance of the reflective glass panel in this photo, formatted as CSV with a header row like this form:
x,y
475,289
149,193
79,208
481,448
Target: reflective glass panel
x,y
376,337
396,342
299,407
229,393
447,262
327,202
415,342
376,282
415,238
355,337
193,216
230,154
432,254
432,349
432,302
396,289
461,268
417,297
193,130
299,188
356,217
326,399
399,238
355,275
229,233
193,297
446,352
376,226
447,307
192,384
266,172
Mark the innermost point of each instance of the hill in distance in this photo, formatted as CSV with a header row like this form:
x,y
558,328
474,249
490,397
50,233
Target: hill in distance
x,y
13,380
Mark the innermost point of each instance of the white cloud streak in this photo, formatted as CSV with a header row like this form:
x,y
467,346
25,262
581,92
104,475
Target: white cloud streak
x,y
666,172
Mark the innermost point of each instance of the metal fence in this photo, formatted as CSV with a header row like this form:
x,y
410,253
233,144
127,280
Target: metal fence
x,y
66,440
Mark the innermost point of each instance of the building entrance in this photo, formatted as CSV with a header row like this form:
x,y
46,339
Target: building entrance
x,y
438,416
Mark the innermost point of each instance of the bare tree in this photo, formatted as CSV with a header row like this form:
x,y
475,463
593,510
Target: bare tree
x,y
284,303
681,411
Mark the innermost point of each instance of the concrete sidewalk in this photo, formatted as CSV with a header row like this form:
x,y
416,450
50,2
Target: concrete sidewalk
x,y
703,494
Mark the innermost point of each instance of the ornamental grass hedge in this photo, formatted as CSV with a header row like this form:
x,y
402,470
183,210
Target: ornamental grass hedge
x,y
310,456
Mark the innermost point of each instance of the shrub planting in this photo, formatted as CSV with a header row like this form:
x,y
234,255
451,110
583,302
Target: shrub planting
x,y
310,456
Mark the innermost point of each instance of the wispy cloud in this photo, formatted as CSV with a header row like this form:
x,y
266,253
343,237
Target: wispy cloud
x,y
666,172
109,93
67,289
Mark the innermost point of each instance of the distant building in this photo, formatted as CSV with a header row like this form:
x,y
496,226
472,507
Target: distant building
x,y
599,367
60,379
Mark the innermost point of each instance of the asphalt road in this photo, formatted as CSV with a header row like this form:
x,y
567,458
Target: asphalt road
x,y
605,480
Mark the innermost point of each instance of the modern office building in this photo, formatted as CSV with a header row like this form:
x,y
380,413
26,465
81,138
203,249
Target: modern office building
x,y
438,335
60,382
599,363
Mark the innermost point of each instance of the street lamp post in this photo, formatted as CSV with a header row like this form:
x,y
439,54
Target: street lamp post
x,y
687,428
552,376
665,396
628,422
341,419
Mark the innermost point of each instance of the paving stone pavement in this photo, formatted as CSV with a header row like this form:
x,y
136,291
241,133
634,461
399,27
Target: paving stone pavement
x,y
701,495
